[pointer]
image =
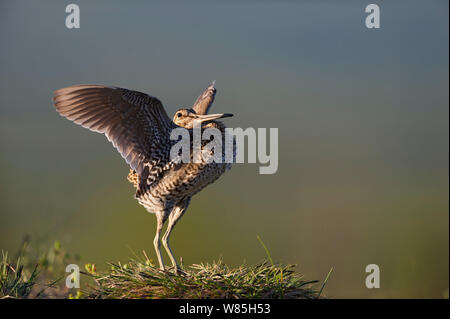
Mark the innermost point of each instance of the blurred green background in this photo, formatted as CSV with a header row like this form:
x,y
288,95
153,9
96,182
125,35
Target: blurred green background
x,y
363,133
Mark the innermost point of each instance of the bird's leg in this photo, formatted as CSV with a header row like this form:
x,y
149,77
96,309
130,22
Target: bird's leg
x,y
174,217
165,240
160,219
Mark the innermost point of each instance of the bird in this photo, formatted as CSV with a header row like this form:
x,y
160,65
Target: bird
x,y
138,126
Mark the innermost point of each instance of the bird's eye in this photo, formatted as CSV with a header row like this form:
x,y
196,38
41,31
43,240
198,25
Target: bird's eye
x,y
178,114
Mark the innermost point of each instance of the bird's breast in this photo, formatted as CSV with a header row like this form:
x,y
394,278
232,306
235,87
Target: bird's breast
x,y
181,180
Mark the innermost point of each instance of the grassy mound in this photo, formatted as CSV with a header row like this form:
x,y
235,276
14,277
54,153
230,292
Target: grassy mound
x,y
141,279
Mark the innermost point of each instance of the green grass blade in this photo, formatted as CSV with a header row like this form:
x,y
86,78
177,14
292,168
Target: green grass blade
x,y
265,248
324,282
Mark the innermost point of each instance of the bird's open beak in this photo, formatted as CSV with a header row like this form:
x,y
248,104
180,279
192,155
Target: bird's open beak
x,y
205,100
212,117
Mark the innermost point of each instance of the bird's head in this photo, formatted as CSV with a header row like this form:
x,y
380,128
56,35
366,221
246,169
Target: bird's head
x,y
186,117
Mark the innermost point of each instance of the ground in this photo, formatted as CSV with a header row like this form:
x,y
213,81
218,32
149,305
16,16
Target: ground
x,y
140,278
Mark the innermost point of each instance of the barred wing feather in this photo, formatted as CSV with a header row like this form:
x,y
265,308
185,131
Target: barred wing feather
x,y
135,123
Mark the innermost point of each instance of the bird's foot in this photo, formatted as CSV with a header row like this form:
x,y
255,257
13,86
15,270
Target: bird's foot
x,y
178,271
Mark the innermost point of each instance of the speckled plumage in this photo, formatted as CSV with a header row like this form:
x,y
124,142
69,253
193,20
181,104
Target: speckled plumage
x,y
139,128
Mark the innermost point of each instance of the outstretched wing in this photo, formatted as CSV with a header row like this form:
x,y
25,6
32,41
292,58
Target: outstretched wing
x,y
135,123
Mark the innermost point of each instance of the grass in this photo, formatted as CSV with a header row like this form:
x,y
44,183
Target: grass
x,y
34,273
14,282
141,279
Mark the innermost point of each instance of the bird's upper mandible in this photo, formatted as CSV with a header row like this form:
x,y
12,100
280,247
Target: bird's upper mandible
x,y
205,100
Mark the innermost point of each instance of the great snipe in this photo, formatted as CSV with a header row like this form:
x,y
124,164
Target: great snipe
x,y
139,128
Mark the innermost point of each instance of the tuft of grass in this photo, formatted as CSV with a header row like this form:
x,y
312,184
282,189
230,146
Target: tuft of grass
x,y
34,273
141,279
15,282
